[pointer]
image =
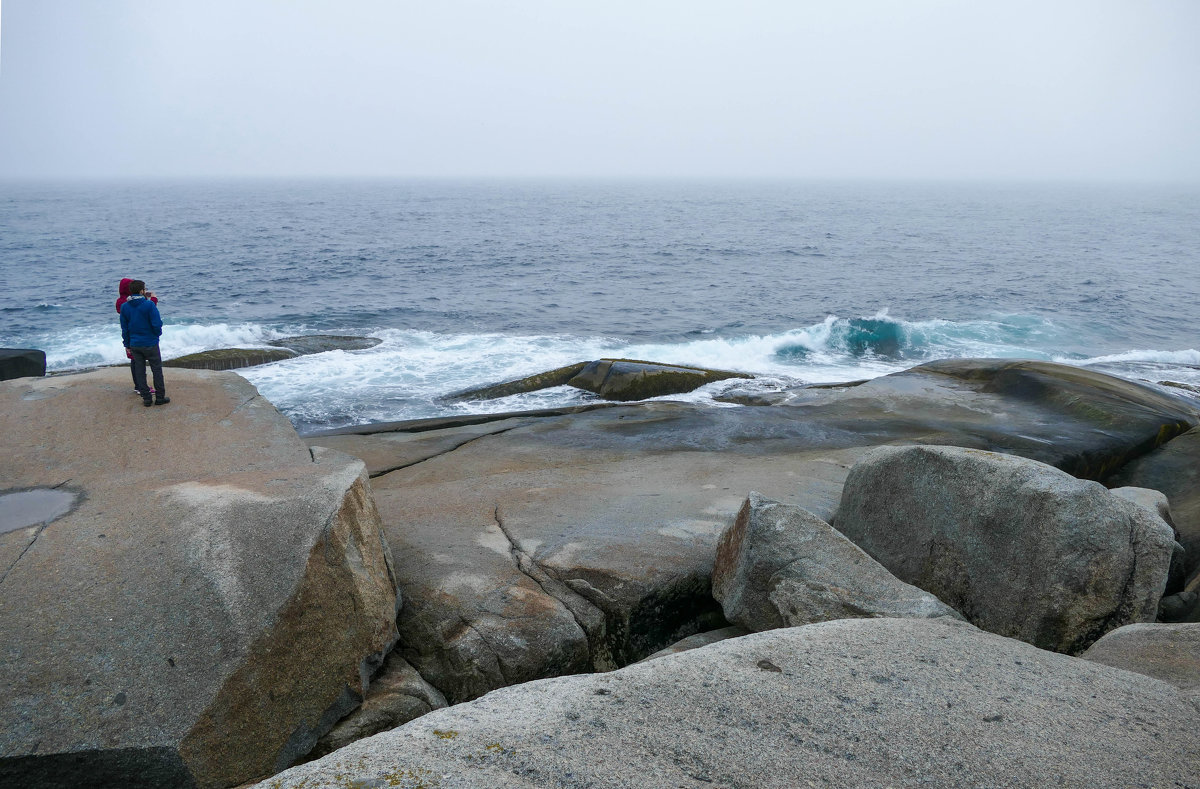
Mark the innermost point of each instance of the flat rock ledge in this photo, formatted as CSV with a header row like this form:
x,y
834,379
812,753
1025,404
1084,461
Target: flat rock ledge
x,y
851,703
213,599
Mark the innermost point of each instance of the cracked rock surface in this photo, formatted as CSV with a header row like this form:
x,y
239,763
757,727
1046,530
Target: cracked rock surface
x,y
216,599
534,546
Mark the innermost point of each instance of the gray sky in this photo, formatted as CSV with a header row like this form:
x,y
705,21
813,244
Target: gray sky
x,y
1050,89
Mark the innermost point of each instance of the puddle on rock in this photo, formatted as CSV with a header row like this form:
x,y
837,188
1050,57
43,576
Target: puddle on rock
x,y
32,507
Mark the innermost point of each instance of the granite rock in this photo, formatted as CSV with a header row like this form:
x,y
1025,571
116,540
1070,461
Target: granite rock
x,y
216,599
1019,548
781,566
850,703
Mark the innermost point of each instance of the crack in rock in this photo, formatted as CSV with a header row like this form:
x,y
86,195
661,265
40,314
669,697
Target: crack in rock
x,y
458,446
469,625
580,608
41,528
242,405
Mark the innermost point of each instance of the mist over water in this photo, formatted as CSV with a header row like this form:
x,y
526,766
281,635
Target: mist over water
x,y
474,282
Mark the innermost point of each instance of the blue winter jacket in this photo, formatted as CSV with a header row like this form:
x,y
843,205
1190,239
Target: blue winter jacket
x,y
141,325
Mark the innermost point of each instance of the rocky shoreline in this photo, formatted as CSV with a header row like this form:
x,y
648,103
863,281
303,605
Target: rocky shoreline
x,y
935,559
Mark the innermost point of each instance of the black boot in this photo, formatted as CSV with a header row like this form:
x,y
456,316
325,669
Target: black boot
x,y
161,400
147,400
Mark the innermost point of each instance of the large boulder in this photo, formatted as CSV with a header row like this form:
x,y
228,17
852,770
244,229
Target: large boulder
x,y
21,363
781,566
851,703
1019,548
215,597
1174,469
230,358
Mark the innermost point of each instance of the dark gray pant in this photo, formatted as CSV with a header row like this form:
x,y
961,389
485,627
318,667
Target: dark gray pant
x,y
141,357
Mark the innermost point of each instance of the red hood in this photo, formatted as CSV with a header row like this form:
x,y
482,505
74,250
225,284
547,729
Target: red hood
x,y
125,286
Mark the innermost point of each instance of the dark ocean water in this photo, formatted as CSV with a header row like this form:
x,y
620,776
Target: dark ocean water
x,y
472,282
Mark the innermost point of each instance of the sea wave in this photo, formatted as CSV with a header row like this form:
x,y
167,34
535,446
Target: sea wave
x,y
410,370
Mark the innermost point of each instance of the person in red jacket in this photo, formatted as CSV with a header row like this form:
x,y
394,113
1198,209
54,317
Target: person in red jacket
x,y
123,289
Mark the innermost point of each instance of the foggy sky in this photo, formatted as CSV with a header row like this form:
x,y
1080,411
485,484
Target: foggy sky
x,y
1052,89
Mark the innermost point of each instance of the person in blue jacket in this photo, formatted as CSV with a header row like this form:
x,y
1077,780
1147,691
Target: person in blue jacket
x,y
141,326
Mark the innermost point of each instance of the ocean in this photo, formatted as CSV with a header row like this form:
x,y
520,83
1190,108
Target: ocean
x,y
473,282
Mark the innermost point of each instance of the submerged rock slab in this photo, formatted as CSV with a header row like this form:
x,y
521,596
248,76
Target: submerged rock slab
x,y
782,566
613,379
217,598
530,383
285,348
631,379
320,343
230,358
851,703
1019,548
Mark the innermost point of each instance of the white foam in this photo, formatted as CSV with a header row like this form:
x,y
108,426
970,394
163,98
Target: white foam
x,y
1191,356
89,346
406,374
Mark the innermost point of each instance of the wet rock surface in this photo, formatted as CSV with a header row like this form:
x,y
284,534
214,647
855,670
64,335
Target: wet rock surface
x,y
853,703
321,343
631,379
613,379
34,507
531,383
230,358
215,600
